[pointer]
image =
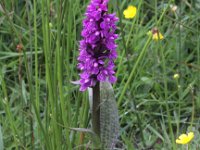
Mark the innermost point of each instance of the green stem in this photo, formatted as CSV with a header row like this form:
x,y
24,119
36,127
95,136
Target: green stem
x,y
120,66
32,99
166,100
143,52
9,115
121,27
96,109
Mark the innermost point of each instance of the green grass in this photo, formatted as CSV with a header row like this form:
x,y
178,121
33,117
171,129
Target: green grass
x,y
39,105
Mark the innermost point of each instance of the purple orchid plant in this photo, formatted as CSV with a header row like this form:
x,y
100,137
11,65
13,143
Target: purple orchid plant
x,y
97,48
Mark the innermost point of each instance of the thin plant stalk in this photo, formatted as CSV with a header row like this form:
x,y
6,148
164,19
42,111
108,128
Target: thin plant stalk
x,y
96,115
165,83
166,100
96,109
142,54
9,115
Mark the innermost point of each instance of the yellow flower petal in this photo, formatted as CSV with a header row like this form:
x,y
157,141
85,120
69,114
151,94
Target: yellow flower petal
x,y
179,141
182,136
190,135
130,12
185,139
157,36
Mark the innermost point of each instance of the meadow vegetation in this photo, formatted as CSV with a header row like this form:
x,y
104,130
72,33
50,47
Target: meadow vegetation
x,y
158,80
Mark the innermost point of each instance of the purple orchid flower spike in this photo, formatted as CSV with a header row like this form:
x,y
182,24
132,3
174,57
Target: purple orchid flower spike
x,y
97,48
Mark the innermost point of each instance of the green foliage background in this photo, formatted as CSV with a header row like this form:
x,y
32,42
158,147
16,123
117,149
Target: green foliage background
x,y
39,104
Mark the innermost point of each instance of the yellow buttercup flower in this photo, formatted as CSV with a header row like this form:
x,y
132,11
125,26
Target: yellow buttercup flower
x,y
130,12
156,35
185,138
